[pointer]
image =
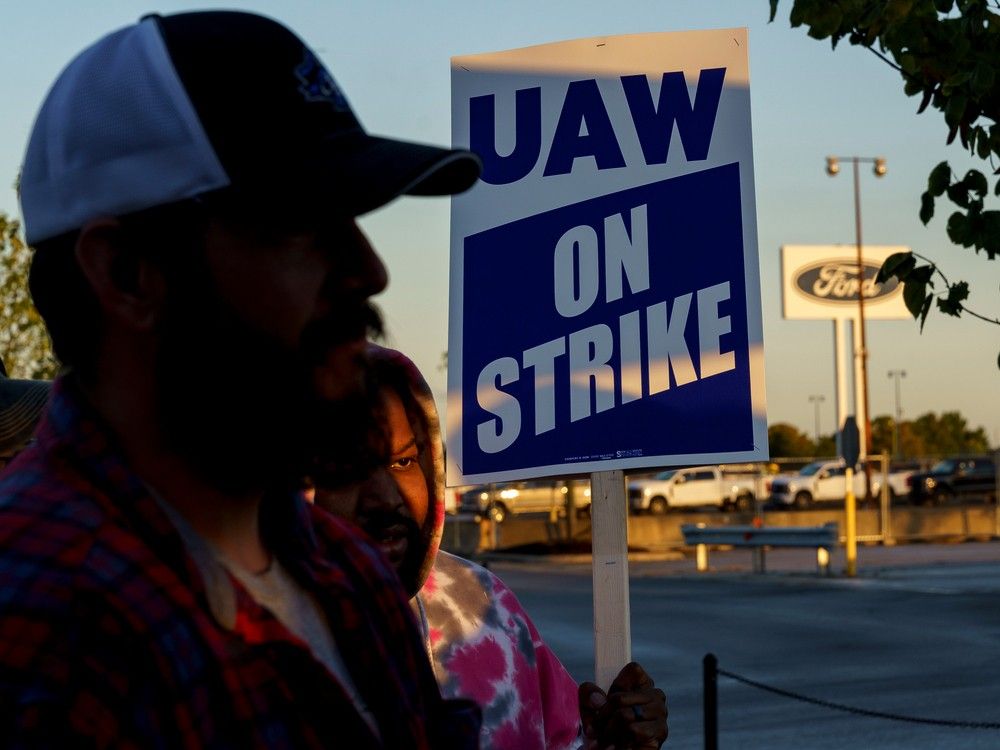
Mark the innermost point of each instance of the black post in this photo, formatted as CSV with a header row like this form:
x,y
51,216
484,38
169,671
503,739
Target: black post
x,y
710,678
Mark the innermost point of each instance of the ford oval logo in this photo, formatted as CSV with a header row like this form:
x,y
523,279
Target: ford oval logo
x,y
836,280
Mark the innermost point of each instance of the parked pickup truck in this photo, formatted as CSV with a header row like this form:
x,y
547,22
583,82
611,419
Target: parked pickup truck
x,y
962,477
820,481
702,485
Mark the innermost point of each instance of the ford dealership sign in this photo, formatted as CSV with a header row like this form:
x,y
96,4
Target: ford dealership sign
x,y
836,281
821,282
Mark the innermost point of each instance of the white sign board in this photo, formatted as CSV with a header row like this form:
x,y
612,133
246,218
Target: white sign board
x,y
821,282
605,298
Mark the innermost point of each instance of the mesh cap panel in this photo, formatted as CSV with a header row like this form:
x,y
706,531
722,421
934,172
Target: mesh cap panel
x,y
185,104
117,133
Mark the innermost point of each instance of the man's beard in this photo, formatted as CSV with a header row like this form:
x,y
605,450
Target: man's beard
x,y
378,523
242,408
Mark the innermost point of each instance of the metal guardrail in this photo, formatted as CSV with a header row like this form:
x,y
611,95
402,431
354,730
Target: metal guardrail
x,y
821,538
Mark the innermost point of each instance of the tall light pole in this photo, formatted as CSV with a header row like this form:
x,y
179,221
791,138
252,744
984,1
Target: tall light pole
x,y
817,399
896,375
879,168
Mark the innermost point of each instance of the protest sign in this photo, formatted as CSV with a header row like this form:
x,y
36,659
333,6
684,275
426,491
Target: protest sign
x,y
604,294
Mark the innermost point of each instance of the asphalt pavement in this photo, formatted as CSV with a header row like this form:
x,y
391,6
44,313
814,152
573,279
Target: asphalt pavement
x,y
916,634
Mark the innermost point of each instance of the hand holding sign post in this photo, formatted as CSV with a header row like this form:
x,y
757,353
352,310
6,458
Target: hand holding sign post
x,y
604,307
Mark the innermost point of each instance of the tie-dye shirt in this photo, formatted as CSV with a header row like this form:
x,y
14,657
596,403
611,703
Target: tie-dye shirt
x,y
481,642
484,646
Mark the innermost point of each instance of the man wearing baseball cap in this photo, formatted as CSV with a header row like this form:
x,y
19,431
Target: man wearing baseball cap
x,y
190,186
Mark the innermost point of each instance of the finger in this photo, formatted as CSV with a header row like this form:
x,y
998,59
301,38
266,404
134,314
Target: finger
x,y
637,698
650,703
592,701
591,697
632,718
631,677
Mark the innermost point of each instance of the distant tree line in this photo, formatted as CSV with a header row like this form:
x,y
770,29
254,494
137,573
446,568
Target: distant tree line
x,y
928,435
25,347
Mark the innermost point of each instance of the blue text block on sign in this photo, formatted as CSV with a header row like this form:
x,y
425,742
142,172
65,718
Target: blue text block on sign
x,y
611,329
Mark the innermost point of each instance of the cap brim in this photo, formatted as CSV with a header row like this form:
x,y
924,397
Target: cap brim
x,y
21,406
369,171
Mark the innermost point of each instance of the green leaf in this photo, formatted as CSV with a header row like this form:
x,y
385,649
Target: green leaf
x,y
926,207
957,79
991,221
898,265
991,232
870,13
825,21
939,179
959,194
914,294
954,111
796,17
982,79
982,144
897,10
952,304
957,228
943,6
975,181
959,291
774,10
908,63
923,312
948,308
922,275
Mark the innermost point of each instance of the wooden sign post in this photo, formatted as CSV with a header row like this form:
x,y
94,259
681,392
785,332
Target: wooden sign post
x,y
609,532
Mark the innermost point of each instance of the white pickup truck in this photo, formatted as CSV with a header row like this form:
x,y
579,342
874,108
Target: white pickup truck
x,y
820,481
698,486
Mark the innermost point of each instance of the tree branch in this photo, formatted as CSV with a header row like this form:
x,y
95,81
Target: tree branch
x,y
939,272
887,61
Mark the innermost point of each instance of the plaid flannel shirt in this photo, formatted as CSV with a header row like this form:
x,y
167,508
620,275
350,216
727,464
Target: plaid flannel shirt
x,y
107,639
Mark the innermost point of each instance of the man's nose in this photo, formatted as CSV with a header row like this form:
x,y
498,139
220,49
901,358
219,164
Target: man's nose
x,y
381,490
366,273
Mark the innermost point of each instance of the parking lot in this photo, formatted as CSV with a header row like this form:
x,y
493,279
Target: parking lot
x,y
916,633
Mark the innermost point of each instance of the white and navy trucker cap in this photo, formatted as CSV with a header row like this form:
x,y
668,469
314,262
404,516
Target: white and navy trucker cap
x,y
180,105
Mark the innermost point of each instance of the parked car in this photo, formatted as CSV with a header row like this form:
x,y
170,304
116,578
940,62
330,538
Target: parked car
x,y
899,478
499,501
699,486
820,481
961,477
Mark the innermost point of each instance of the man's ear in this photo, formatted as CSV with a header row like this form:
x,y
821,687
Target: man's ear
x,y
128,286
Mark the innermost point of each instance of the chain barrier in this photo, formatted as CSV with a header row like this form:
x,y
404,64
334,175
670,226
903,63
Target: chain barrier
x,y
859,711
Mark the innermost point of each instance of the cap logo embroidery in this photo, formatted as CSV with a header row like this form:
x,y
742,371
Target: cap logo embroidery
x,y
317,85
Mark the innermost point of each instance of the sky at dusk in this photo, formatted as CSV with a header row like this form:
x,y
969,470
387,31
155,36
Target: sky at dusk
x,y
392,60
